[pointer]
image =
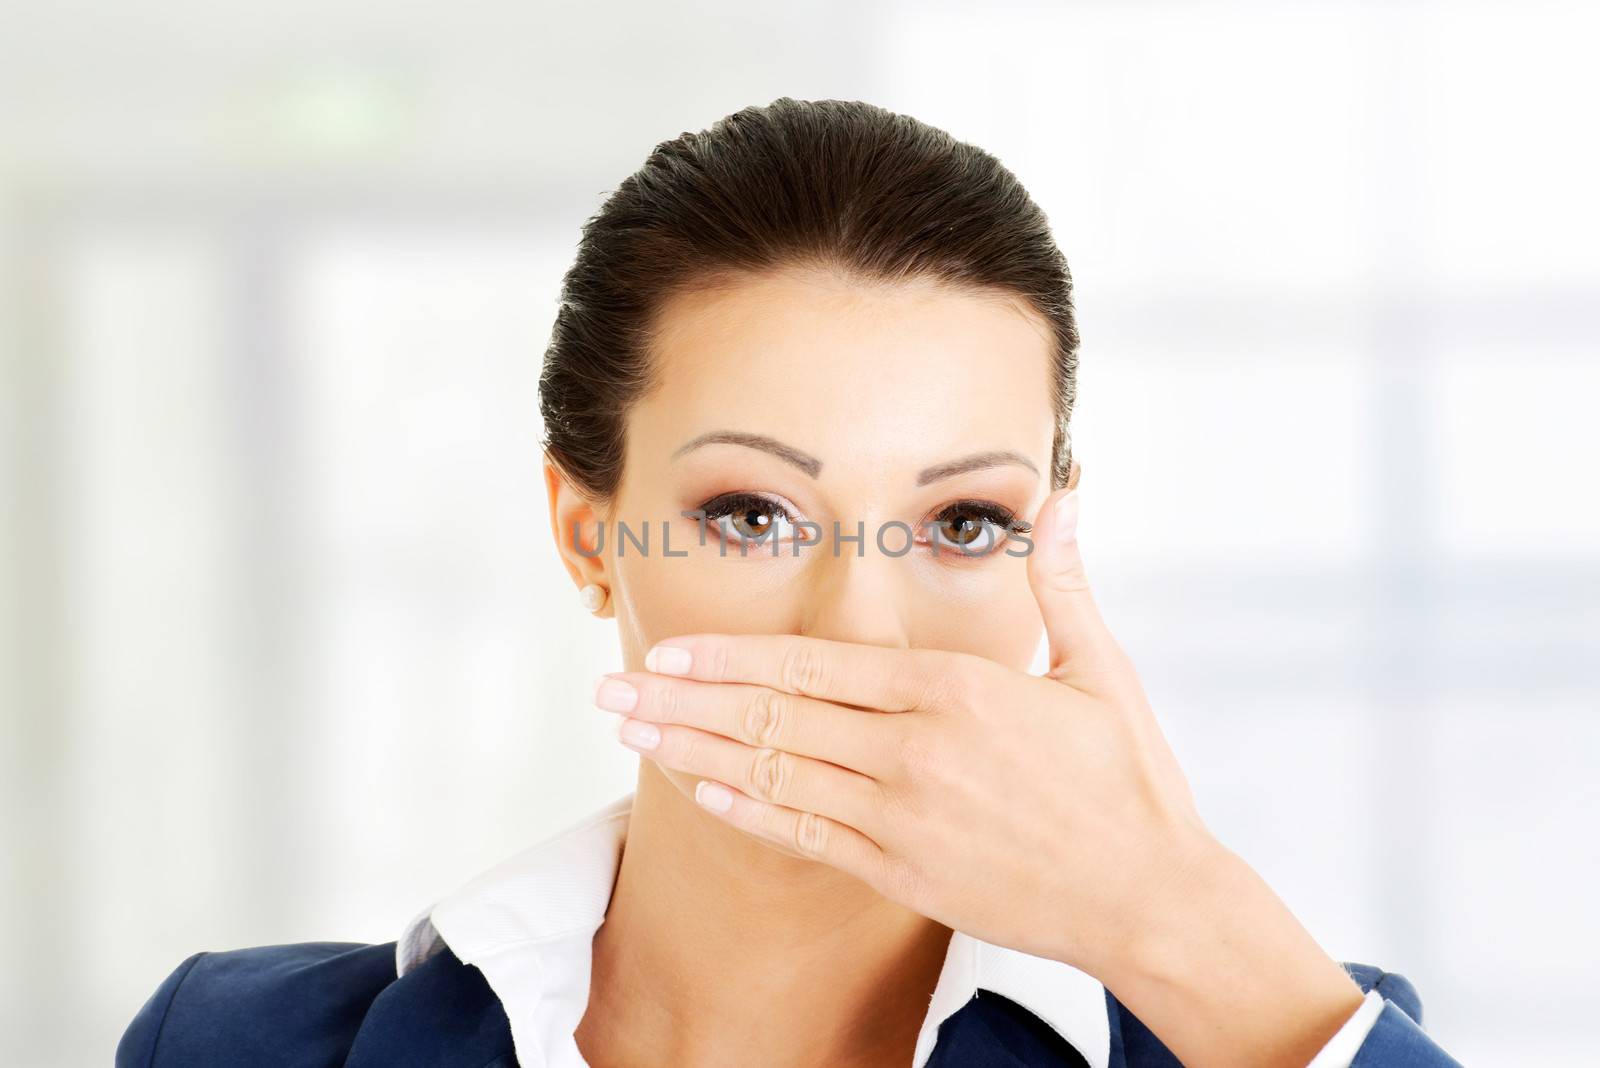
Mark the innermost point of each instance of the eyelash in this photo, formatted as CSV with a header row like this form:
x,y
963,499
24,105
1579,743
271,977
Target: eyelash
x,y
998,514
728,504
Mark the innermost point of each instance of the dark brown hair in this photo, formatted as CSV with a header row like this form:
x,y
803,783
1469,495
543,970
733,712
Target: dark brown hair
x,y
828,182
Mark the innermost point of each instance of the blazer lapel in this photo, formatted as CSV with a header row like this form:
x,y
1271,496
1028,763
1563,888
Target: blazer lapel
x,y
442,1014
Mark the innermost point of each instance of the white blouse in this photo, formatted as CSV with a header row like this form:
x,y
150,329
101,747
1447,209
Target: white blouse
x,y
528,924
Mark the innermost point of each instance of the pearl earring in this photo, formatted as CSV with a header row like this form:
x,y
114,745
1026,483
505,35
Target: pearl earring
x,y
593,596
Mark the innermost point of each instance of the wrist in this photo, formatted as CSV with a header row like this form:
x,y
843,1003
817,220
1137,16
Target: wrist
x,y
1222,972
1166,940
1157,939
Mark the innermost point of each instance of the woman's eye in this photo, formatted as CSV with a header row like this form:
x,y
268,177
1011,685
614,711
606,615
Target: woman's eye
x,y
753,523
750,518
970,530
964,528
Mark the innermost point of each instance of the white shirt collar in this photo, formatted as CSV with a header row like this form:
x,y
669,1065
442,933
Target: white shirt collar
x,y
528,924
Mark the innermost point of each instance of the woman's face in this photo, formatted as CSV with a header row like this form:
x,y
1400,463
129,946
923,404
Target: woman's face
x,y
882,406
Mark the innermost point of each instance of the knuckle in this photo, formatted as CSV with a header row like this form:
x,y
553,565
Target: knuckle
x,y
717,666
763,718
918,759
769,775
903,882
802,669
954,685
811,834
1107,669
902,808
667,701
1069,579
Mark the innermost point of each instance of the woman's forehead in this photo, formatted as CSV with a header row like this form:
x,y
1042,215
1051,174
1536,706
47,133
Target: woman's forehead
x,y
822,358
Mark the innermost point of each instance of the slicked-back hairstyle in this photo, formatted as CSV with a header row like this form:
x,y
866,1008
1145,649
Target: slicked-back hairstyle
x,y
833,183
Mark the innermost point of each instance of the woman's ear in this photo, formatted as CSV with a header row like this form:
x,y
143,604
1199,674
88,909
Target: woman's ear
x,y
579,532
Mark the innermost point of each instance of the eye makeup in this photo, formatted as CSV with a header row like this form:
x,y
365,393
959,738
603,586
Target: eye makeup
x,y
967,528
745,517
972,528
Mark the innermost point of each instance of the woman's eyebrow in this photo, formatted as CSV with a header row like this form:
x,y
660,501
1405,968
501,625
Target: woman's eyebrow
x,y
804,461
976,462
813,466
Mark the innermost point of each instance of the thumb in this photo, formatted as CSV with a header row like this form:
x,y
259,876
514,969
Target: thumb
x,y
1080,643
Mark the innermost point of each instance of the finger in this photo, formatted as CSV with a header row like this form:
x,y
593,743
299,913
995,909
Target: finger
x,y
770,775
806,834
758,716
1080,642
867,676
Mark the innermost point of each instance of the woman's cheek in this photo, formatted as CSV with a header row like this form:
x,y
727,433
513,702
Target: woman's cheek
x,y
704,592
988,611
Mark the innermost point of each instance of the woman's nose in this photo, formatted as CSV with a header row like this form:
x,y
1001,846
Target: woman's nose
x,y
857,599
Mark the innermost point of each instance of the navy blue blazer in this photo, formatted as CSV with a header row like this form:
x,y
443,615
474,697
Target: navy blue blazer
x,y
339,1003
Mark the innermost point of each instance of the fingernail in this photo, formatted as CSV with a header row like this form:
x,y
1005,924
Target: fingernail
x,y
615,695
668,660
637,734
1067,519
713,795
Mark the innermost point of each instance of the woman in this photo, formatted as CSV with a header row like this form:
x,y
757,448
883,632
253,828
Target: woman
x,y
810,380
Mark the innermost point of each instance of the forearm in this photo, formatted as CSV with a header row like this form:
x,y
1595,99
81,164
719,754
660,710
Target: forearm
x,y
1222,972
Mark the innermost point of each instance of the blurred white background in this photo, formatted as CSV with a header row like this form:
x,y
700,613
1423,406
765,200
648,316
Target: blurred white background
x,y
287,652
